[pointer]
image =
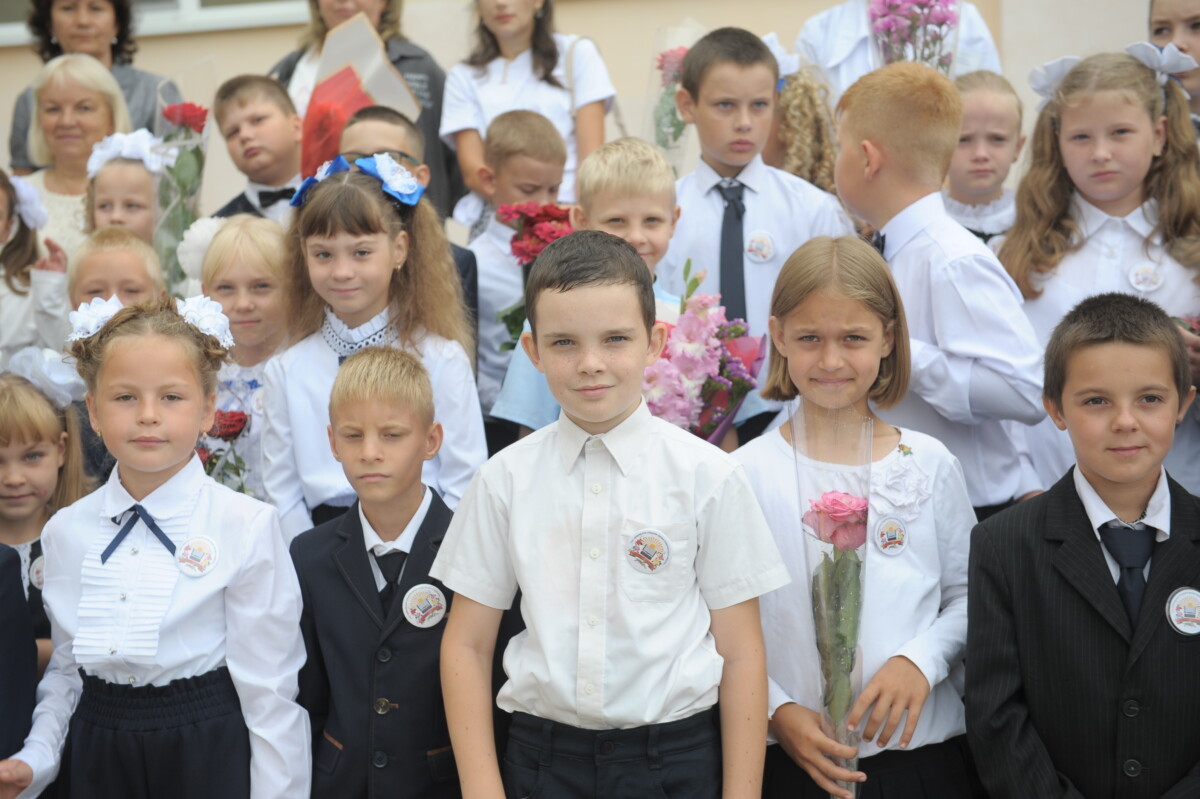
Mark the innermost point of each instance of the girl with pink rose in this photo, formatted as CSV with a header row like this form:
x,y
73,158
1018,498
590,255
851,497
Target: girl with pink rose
x,y
839,341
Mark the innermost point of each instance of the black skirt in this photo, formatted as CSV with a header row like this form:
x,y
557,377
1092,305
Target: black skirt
x,y
184,740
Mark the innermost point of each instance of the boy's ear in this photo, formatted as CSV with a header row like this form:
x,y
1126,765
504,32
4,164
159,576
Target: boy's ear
x,y
685,105
1184,404
297,128
577,217
488,178
422,174
675,219
873,158
333,443
529,344
1056,415
433,440
658,340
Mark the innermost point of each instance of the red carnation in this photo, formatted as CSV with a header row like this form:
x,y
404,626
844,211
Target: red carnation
x,y
189,114
228,425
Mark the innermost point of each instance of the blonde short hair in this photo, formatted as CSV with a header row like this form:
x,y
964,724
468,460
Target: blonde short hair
x,y
856,269
243,89
627,167
28,416
913,112
993,82
525,133
87,73
384,374
247,238
116,239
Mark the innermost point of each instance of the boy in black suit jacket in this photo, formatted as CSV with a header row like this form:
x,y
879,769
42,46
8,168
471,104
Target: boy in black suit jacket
x,y
373,618
1083,642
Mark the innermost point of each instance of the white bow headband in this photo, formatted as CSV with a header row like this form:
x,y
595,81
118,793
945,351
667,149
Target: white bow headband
x,y
141,145
44,368
1166,62
29,204
201,312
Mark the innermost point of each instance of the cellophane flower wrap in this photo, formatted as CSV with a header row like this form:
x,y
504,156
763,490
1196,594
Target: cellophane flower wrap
x,y
925,31
668,125
708,367
220,458
538,225
833,480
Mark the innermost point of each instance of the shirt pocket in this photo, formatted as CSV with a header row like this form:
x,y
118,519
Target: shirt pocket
x,y
656,561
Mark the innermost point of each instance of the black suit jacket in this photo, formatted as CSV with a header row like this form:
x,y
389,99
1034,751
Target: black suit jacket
x,y
18,656
359,655
238,205
468,275
1064,697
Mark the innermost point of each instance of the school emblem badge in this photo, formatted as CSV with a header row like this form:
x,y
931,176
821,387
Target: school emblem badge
x,y
890,536
648,551
1146,277
37,572
760,247
424,605
1183,610
198,556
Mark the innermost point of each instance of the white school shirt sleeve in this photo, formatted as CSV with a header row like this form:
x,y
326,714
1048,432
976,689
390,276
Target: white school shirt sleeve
x,y
777,697
592,83
474,558
986,347
461,109
51,307
456,406
264,651
281,474
938,647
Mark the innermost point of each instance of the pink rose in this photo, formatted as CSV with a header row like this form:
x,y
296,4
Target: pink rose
x,y
839,519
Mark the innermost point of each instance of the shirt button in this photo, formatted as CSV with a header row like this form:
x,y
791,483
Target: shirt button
x,y
591,621
595,553
597,488
589,689
122,597
383,707
383,655
133,551
1131,708
1132,768
132,679
379,759
112,650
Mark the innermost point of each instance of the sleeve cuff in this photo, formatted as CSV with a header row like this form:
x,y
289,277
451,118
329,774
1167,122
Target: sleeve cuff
x,y
935,670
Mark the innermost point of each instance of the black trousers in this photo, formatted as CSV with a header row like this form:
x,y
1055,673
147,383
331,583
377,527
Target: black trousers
x,y
935,771
185,740
678,760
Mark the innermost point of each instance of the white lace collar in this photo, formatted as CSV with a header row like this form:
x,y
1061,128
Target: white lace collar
x,y
378,331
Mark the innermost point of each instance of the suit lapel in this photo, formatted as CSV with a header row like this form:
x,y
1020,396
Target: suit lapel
x,y
1079,559
1175,563
420,558
351,559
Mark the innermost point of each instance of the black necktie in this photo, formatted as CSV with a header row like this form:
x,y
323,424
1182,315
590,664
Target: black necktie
x,y
268,198
1131,547
984,237
135,513
390,565
878,241
733,282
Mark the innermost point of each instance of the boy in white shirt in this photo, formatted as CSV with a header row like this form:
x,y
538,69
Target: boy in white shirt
x,y
975,357
640,553
741,219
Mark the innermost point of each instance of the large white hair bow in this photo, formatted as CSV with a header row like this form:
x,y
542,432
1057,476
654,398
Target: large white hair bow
x,y
29,204
1167,62
141,145
44,368
1045,79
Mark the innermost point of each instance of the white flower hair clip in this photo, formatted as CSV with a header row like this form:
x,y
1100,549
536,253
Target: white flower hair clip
x,y
44,368
207,316
789,63
1045,79
1167,62
90,317
195,244
29,204
141,145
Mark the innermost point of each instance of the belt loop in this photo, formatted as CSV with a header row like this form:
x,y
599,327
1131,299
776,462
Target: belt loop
x,y
652,747
546,753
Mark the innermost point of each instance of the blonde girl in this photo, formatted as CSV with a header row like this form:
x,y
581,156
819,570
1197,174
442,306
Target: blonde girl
x,y
1177,22
173,604
839,342
41,466
124,169
368,265
1111,202
988,147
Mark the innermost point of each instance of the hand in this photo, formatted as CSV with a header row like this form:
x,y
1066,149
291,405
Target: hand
x,y
895,688
56,261
799,732
1192,342
15,776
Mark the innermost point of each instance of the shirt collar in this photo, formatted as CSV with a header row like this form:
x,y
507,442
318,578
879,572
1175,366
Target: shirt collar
x,y
1141,220
404,541
905,225
624,442
354,335
252,189
1158,509
172,498
500,235
753,175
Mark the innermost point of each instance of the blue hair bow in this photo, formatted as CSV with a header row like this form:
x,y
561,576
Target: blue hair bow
x,y
328,168
397,182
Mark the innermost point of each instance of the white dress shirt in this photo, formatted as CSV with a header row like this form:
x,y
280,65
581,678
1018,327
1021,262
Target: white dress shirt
x,y
281,210
1158,516
609,645
299,471
501,285
838,40
975,359
914,602
136,620
1113,251
401,543
475,96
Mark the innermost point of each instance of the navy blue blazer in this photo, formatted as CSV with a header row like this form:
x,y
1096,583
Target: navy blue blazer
x,y
18,656
371,684
1065,698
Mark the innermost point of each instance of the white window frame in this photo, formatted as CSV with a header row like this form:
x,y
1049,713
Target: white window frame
x,y
186,16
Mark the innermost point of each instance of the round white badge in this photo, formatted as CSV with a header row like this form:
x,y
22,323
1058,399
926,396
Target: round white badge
x,y
759,246
37,572
1183,610
198,556
890,536
648,551
1146,277
424,605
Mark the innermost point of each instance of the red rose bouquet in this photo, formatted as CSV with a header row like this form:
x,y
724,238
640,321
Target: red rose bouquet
x,y
537,226
224,464
186,133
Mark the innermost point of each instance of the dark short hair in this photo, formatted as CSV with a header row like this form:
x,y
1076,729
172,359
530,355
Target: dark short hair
x,y
1113,318
383,113
589,258
39,24
724,46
